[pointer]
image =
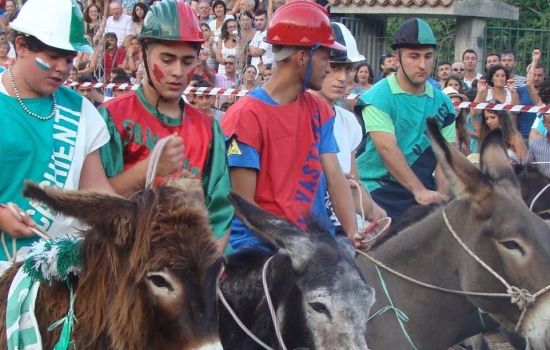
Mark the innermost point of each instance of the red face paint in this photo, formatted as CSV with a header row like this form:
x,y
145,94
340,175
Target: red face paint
x,y
158,73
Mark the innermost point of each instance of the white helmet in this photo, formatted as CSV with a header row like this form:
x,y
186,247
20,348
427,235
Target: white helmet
x,y
343,36
56,23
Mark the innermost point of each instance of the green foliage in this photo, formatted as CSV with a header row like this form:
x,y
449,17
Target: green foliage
x,y
532,13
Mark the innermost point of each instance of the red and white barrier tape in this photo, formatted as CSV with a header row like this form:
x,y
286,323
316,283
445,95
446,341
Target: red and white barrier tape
x,y
239,93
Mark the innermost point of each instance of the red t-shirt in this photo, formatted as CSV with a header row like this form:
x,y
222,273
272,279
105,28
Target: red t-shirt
x,y
113,59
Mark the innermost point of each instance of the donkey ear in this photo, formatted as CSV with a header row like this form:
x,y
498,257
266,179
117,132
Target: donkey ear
x,y
494,161
105,213
467,181
276,231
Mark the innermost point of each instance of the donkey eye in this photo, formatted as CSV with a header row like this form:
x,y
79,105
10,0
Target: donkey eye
x,y
160,282
513,245
320,308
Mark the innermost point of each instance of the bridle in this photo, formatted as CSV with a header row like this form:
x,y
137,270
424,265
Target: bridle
x,y
518,296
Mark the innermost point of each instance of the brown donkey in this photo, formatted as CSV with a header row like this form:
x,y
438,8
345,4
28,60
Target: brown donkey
x,y
149,272
489,216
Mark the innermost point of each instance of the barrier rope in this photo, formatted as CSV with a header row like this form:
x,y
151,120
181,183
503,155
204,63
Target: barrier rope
x,y
213,91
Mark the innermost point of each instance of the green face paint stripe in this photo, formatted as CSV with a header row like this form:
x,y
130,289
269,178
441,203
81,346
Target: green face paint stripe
x,y
43,65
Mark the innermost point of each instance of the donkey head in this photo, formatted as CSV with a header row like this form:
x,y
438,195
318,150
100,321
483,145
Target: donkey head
x,y
335,297
150,266
491,218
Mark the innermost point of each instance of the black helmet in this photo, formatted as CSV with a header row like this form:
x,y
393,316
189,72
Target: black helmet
x,y
343,36
414,32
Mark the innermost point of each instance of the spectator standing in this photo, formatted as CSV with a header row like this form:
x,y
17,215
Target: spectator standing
x,y
543,99
246,33
113,55
397,163
498,86
469,58
462,137
387,66
502,120
491,60
220,13
209,46
94,23
259,49
508,61
202,69
227,44
535,77
443,73
281,147
35,105
363,78
139,11
203,11
455,82
248,81
5,60
132,59
11,10
459,70
205,103
228,79
128,5
539,149
171,38
119,22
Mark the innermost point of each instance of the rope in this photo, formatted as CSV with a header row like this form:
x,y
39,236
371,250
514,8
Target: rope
x,y
154,160
399,314
271,311
538,196
373,225
270,304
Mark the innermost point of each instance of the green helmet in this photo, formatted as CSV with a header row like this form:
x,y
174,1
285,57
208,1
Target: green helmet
x,y
414,32
172,20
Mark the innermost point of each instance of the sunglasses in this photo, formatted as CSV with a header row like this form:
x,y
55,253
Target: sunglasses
x,y
458,69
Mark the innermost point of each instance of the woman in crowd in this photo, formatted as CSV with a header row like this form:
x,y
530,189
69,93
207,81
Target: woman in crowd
x,y
462,136
138,15
11,10
248,81
133,55
227,44
363,78
456,83
93,23
498,86
503,121
102,4
247,33
220,12
209,46
5,61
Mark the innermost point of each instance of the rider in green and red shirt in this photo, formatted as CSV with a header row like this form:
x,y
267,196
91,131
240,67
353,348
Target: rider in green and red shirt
x,y
171,39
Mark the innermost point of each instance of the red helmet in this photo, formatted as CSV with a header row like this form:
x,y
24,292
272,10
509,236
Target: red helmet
x,y
301,23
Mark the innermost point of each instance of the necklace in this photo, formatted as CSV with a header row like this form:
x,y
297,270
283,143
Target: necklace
x,y
25,108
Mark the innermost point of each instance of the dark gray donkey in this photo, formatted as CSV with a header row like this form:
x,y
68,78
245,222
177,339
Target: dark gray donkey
x,y
320,298
491,219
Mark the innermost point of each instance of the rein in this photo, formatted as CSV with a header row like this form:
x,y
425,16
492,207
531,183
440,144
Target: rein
x,y
269,305
539,194
518,296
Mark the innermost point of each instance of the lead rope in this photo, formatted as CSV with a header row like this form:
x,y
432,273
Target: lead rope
x,y
520,297
154,160
269,305
539,194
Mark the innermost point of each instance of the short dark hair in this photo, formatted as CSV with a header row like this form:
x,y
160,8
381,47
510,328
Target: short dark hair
x,y
111,35
260,12
492,72
468,51
544,91
86,78
121,79
35,45
371,72
493,53
508,53
443,63
220,2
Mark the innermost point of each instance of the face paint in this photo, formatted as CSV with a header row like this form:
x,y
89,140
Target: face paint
x,y
158,73
43,65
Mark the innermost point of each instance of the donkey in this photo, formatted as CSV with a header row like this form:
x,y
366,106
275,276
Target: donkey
x,y
532,181
320,298
149,271
489,216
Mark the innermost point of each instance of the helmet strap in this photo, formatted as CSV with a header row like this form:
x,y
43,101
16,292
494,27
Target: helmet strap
x,y
403,69
150,81
309,66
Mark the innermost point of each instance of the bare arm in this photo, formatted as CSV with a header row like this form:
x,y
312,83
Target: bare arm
x,y
398,167
219,57
92,176
481,96
533,92
519,146
340,193
243,182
